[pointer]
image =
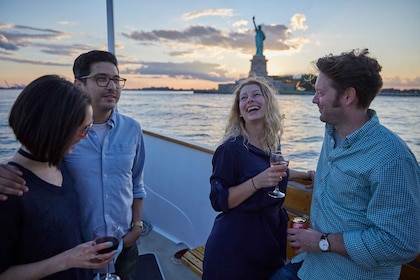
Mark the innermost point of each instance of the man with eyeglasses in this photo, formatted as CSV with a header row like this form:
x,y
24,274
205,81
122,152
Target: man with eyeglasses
x,y
108,166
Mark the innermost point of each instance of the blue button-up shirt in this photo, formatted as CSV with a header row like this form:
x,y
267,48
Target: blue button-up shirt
x,y
368,189
108,178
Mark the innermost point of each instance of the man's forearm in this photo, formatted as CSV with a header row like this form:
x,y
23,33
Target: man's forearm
x,y
137,209
337,244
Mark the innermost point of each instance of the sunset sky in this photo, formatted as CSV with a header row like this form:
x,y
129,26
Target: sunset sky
x,y
199,44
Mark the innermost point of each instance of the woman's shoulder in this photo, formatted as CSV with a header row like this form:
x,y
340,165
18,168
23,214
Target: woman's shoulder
x,y
232,142
233,147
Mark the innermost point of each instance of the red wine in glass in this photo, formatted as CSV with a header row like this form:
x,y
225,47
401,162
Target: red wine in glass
x,y
108,233
103,239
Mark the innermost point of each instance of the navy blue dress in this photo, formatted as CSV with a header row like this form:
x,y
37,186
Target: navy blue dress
x,y
248,241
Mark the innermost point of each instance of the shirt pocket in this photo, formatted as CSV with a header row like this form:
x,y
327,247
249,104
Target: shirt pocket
x,y
348,191
122,156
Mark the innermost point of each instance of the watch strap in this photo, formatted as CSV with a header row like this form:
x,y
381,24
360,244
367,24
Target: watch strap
x,y
137,224
323,242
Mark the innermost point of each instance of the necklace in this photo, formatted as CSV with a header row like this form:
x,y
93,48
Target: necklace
x,y
29,156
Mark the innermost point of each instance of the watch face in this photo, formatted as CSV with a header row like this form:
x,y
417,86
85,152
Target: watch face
x,y
323,245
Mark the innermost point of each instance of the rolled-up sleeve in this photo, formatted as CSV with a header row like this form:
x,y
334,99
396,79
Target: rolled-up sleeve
x,y
139,190
393,210
222,178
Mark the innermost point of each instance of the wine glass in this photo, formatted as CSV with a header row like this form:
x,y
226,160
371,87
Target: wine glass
x,y
107,233
277,158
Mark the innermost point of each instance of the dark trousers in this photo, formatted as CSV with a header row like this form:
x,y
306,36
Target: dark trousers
x,y
287,272
125,266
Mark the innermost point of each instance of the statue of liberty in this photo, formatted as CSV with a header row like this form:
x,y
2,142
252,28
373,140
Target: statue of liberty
x,y
259,38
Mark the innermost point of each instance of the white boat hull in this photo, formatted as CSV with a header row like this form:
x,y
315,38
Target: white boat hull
x,y
177,177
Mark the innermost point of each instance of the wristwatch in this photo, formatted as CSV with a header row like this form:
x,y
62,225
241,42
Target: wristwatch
x,y
138,224
324,245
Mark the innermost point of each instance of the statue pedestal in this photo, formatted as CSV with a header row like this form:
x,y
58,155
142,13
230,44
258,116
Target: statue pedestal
x,y
258,66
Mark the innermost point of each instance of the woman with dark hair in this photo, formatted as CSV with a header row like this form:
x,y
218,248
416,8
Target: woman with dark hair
x,y
40,232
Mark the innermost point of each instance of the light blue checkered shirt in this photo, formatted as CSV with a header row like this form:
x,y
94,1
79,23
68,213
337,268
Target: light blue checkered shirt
x,y
368,188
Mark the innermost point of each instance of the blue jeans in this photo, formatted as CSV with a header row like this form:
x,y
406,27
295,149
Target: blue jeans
x,y
287,272
125,266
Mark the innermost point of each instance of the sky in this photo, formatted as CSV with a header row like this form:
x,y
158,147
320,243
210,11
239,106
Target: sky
x,y
186,44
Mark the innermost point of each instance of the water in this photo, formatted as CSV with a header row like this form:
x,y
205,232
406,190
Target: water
x,y
201,118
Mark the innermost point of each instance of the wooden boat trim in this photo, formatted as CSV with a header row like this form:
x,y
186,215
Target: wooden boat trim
x,y
179,141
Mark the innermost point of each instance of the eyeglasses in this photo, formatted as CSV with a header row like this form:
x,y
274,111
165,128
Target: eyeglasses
x,y
84,131
103,80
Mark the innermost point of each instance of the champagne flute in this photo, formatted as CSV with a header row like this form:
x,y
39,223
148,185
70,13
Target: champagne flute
x,y
277,158
107,233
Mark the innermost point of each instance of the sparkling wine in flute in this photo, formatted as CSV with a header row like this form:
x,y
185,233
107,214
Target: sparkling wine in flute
x,y
283,164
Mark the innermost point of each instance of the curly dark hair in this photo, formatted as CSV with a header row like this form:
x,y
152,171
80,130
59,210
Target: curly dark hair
x,y
353,69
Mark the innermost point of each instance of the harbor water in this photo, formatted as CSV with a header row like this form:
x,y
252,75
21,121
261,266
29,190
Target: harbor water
x,y
201,118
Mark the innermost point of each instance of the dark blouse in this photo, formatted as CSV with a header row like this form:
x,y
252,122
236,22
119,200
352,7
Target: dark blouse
x,y
40,224
248,241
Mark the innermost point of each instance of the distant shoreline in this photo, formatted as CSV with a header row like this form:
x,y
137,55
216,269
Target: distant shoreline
x,y
412,93
384,92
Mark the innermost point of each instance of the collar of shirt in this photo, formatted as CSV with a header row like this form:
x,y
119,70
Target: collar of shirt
x,y
359,133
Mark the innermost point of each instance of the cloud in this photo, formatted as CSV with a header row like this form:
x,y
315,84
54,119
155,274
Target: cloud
x,y
4,44
297,22
70,50
192,34
398,82
65,22
180,53
5,25
277,38
240,23
14,37
36,62
24,27
190,41
209,12
196,37
4,52
195,70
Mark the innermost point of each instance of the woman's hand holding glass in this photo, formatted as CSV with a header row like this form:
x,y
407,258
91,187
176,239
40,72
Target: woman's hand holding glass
x,y
85,255
269,177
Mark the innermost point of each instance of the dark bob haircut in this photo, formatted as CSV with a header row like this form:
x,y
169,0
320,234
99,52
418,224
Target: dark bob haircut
x,y
46,115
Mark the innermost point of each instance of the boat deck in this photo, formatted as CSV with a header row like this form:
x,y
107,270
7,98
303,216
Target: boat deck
x,y
164,248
